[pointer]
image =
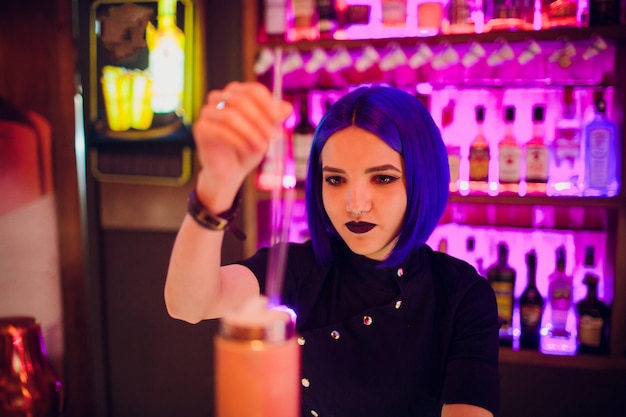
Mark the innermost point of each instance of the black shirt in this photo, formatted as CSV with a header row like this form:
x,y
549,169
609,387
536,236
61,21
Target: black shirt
x,y
390,341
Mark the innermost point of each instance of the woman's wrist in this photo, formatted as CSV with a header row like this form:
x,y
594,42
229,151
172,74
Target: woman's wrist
x,y
207,219
215,195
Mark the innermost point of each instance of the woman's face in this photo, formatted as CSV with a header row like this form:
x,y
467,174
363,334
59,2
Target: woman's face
x,y
363,191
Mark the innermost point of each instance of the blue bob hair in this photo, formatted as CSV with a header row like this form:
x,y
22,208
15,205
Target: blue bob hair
x,y
403,123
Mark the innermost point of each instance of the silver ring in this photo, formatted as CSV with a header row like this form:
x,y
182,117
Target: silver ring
x,y
356,213
222,103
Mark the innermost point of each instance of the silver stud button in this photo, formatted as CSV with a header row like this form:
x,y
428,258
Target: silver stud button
x,y
367,320
305,382
301,341
335,334
398,304
400,272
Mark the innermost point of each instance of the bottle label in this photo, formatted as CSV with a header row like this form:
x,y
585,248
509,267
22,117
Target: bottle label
x,y
509,160
275,19
561,297
560,301
566,145
303,11
454,161
598,158
167,65
504,299
459,11
530,315
394,12
590,330
429,15
536,163
479,164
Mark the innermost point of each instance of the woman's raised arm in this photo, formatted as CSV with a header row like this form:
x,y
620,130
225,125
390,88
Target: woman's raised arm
x,y
232,135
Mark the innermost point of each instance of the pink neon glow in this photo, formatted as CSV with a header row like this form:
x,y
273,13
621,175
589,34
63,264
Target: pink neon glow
x,y
523,227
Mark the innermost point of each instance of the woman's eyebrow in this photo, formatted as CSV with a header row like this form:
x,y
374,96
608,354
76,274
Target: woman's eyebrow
x,y
386,167
379,168
331,169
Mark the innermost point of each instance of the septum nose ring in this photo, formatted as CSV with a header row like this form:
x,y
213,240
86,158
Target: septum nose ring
x,y
357,213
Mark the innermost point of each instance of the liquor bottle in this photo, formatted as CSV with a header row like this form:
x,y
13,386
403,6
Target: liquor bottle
x,y
479,157
559,339
471,257
593,317
432,17
557,13
587,266
600,155
466,16
275,20
443,245
327,23
356,19
470,246
501,276
459,15
531,307
510,15
303,21
302,141
394,13
565,158
454,161
166,44
537,156
509,155
453,150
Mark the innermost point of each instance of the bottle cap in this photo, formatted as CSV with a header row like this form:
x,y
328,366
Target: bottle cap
x,y
447,114
509,114
503,250
590,279
538,113
560,257
568,94
471,243
480,113
590,256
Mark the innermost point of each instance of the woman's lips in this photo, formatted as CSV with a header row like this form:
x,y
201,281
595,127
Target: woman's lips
x,y
359,227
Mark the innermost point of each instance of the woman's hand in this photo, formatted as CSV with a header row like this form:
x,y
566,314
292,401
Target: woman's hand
x,y
232,136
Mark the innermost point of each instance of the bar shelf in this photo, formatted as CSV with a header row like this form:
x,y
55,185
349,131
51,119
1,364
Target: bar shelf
x,y
575,221
613,33
524,356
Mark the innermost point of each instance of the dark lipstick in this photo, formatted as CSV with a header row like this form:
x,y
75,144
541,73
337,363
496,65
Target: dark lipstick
x,y
359,227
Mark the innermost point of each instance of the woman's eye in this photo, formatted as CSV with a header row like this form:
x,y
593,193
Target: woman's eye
x,y
384,179
333,180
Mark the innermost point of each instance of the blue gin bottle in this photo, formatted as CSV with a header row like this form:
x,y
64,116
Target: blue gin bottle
x,y
600,178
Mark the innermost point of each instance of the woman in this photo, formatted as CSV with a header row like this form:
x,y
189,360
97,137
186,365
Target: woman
x,y
390,327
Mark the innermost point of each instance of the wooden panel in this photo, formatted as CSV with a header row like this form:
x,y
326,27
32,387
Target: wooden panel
x,y
158,366
37,57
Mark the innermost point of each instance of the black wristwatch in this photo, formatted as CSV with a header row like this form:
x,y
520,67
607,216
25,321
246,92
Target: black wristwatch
x,y
219,222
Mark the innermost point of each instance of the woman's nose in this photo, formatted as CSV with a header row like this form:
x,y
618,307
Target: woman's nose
x,y
358,199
